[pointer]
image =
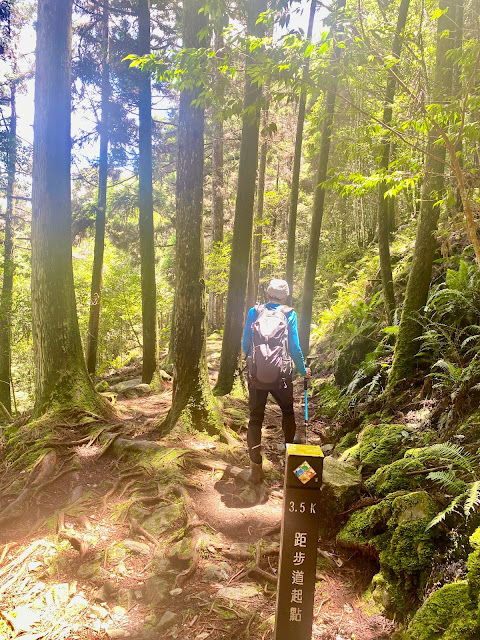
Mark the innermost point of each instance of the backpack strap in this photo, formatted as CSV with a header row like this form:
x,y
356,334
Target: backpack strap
x,y
284,309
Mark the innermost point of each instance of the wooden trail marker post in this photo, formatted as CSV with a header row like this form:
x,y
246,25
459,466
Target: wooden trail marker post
x,y
298,542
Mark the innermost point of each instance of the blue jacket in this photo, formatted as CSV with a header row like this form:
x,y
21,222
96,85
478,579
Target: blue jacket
x,y
293,343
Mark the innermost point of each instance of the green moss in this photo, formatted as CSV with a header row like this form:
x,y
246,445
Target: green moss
x,y
392,477
473,564
331,401
376,599
366,526
396,530
348,440
381,444
448,614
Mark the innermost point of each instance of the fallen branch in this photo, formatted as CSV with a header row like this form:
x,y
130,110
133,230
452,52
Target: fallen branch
x,y
420,472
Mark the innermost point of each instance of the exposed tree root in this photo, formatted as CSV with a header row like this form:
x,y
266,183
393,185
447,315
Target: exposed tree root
x,y
137,528
220,465
194,546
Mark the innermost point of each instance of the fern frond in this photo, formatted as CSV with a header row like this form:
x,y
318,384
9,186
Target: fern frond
x,y
448,481
447,451
442,515
473,498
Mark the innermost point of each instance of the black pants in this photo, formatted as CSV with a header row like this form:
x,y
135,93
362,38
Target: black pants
x,y
257,398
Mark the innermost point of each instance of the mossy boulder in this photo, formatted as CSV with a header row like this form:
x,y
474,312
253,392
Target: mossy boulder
x,y
448,614
377,598
163,519
341,486
349,440
395,531
393,477
366,528
473,564
381,444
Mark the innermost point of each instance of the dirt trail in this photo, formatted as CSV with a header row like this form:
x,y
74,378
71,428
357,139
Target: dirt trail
x,y
46,590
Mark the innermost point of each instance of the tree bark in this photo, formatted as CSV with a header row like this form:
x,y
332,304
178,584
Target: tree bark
x,y
192,395
96,287
433,186
319,199
297,159
8,261
383,212
215,302
242,230
145,202
61,378
256,250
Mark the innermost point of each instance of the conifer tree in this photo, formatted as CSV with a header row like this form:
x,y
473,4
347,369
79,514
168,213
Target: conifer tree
x,y
61,378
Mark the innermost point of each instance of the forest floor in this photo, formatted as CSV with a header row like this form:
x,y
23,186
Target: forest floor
x,y
78,565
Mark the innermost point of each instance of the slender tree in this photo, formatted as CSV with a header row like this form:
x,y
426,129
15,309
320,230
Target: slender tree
x,y
145,202
256,250
61,378
383,202
242,230
215,300
433,186
8,259
297,159
96,287
319,199
192,395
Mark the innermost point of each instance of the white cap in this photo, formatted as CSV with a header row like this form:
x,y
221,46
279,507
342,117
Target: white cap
x,y
278,289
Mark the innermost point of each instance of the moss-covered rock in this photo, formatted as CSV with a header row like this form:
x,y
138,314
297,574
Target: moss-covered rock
x,y
377,598
381,444
473,564
393,477
448,614
395,531
163,519
341,486
366,528
349,440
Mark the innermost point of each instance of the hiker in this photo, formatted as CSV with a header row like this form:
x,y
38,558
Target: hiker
x,y
270,342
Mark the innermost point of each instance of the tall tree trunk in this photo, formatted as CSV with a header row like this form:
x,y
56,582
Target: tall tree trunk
x,y
242,230
145,202
256,250
192,395
61,378
319,200
383,202
215,303
96,287
297,159
433,187
8,261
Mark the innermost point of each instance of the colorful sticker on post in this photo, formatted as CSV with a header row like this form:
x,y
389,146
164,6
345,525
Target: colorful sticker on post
x,y
305,472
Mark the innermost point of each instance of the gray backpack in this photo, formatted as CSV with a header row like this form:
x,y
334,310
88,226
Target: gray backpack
x,y
269,360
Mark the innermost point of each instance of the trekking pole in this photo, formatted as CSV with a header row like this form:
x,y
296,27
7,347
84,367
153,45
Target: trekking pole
x,y
305,391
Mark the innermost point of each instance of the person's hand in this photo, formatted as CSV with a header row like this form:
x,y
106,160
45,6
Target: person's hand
x,y
308,373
